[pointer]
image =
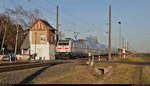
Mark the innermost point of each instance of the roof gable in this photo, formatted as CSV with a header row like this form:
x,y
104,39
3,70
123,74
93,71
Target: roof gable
x,y
43,22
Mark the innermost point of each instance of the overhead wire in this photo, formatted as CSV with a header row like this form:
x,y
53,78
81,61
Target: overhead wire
x,y
73,24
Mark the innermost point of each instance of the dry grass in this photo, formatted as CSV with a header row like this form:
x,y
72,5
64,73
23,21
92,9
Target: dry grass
x,y
121,74
145,75
66,74
78,75
83,74
124,73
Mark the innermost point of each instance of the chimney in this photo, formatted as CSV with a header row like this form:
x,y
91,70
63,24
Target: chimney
x,y
34,20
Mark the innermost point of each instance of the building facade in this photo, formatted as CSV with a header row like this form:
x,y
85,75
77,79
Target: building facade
x,y
41,40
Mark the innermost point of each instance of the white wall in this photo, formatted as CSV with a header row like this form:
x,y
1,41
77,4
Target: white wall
x,y
42,50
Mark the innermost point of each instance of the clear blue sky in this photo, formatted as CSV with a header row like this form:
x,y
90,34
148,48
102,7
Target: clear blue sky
x,y
92,15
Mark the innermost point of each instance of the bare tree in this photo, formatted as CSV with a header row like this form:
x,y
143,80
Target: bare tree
x,y
3,23
4,35
26,16
76,35
21,17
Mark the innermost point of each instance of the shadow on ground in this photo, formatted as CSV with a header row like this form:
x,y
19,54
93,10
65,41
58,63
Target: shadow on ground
x,y
31,77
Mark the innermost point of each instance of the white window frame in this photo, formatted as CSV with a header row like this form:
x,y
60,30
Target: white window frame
x,y
42,38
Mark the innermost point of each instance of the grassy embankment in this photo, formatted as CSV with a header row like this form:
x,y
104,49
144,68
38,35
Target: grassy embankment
x,y
83,74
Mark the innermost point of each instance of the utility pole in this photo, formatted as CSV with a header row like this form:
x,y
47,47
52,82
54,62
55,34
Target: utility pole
x,y
109,51
120,38
57,25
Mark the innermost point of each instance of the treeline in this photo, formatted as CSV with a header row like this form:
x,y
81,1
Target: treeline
x,y
11,21
8,32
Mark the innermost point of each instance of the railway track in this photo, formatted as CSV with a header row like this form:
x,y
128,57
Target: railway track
x,y
125,62
13,63
6,67
16,63
27,66
30,62
84,60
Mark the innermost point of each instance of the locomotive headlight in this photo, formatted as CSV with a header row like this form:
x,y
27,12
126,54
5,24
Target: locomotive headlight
x,y
66,48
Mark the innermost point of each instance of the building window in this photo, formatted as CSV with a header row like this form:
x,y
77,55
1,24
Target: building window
x,y
42,38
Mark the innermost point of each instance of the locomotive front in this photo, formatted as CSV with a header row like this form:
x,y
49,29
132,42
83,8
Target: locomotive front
x,y
63,48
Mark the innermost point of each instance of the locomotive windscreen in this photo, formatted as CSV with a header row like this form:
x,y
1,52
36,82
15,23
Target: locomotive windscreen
x,y
63,42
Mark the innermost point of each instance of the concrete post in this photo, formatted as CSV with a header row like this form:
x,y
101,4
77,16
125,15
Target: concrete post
x,y
92,61
44,58
89,55
10,59
99,58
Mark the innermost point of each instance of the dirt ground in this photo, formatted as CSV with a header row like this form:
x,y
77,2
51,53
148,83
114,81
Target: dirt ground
x,y
67,74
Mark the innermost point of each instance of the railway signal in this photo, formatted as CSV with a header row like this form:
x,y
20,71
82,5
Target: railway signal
x,y
99,58
124,51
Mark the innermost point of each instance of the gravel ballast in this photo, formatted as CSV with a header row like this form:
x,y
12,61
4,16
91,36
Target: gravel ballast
x,y
15,77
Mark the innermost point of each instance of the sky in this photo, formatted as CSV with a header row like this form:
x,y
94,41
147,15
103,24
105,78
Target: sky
x,y
90,17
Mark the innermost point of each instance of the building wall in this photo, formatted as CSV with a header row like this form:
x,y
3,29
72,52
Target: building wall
x,y
36,36
51,37
41,49
52,52
41,28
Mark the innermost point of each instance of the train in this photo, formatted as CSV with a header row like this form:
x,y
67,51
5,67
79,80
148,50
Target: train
x,y
70,48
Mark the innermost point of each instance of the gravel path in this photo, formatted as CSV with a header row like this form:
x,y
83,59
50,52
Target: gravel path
x,y
15,77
